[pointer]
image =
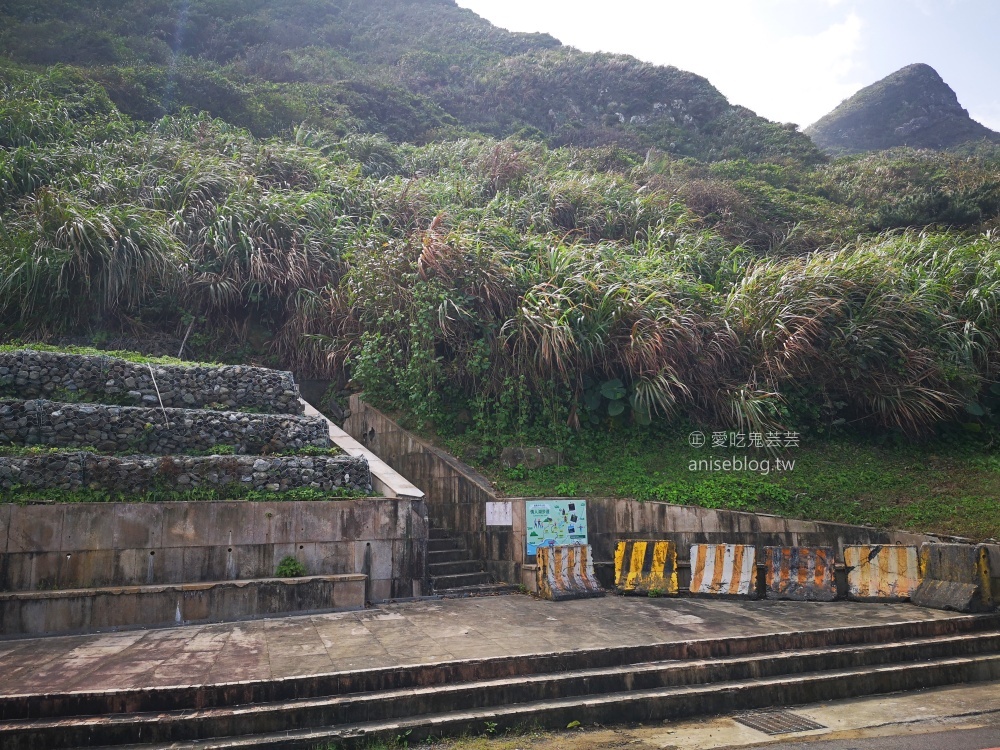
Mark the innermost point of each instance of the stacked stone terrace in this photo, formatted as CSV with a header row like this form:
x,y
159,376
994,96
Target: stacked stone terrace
x,y
31,374
247,414
134,475
193,443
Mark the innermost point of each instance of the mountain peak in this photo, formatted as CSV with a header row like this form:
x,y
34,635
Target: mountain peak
x,y
911,107
918,69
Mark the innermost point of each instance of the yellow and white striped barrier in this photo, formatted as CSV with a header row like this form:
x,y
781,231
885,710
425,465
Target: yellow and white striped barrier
x,y
802,574
643,566
724,570
566,573
881,572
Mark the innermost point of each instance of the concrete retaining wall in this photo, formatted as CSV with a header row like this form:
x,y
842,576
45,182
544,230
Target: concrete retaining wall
x,y
30,374
38,613
88,545
139,474
612,519
131,429
457,495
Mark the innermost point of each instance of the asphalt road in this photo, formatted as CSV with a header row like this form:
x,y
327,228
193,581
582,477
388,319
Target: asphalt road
x,y
959,739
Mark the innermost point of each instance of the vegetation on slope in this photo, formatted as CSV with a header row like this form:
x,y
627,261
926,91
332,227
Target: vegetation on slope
x,y
526,268
481,274
948,486
414,70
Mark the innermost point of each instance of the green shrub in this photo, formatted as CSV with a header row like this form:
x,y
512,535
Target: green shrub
x,y
289,567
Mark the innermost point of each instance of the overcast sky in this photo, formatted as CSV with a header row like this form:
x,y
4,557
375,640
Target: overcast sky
x,y
788,60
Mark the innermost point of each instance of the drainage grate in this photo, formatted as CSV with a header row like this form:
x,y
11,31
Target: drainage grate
x,y
777,722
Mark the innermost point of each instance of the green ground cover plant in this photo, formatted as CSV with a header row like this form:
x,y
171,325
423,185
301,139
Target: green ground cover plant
x,y
128,356
218,450
27,495
946,486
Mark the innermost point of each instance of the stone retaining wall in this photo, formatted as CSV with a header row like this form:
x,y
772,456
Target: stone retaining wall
x,y
34,374
139,474
133,429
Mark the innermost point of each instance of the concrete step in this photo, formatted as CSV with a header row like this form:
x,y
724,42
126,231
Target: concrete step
x,y
485,589
445,583
442,545
436,533
646,706
446,555
436,569
264,691
639,692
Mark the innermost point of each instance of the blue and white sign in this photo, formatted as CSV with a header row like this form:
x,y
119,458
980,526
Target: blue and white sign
x,y
555,523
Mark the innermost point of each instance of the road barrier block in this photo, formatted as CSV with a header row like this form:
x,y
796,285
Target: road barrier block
x,y
566,572
802,574
956,577
881,572
643,566
724,570
993,551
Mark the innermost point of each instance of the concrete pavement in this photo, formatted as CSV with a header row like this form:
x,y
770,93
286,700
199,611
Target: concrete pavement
x,y
965,717
952,739
872,719
403,634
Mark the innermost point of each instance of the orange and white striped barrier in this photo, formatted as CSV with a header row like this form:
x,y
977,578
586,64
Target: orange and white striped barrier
x,y
881,572
566,572
646,567
724,570
802,574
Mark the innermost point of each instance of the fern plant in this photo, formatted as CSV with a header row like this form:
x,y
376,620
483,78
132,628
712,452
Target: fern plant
x,y
289,567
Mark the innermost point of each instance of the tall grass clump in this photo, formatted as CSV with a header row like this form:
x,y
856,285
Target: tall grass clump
x,y
899,331
65,260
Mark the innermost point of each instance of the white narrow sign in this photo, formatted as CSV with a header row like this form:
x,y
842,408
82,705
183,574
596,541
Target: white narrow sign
x,y
499,514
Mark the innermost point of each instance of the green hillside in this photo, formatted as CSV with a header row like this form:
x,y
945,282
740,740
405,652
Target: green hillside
x,y
415,70
457,220
912,107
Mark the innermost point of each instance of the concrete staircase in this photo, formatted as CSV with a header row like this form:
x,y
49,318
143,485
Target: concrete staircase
x,y
454,572
607,686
